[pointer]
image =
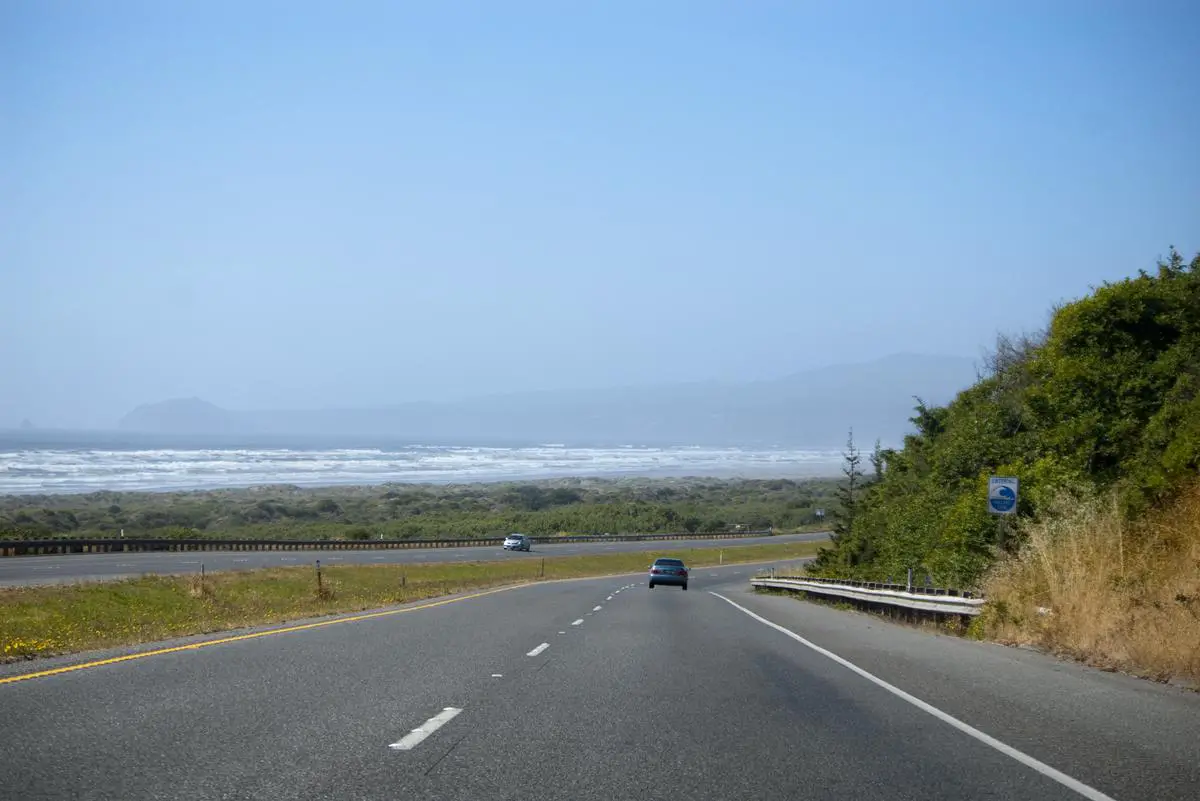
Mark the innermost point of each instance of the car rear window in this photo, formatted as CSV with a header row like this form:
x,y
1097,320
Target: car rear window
x,y
669,562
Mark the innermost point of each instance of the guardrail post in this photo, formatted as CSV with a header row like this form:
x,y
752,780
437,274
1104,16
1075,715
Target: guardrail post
x,y
909,580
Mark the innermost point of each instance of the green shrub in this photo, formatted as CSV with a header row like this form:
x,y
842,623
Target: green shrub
x,y
1107,399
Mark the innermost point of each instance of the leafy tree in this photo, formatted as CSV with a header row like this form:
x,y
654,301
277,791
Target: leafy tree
x,y
328,506
561,496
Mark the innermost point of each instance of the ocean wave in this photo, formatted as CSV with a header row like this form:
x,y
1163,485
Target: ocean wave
x,y
38,471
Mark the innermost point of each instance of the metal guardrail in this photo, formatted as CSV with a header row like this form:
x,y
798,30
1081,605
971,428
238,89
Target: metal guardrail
x,y
927,599
144,544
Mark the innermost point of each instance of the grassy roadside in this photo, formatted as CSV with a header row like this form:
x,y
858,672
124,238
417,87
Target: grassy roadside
x,y
1090,585
50,620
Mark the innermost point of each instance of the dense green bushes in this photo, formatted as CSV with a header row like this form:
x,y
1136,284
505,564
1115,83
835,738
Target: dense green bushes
x,y
1107,399
426,511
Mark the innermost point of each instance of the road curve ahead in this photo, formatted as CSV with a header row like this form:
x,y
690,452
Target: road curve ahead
x,y
598,689
25,570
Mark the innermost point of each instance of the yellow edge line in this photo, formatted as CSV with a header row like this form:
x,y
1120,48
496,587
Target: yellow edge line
x,y
223,640
319,624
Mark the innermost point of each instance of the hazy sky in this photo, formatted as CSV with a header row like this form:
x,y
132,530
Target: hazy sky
x,y
292,204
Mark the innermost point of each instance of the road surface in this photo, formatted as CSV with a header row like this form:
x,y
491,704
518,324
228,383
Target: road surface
x,y
24,570
598,689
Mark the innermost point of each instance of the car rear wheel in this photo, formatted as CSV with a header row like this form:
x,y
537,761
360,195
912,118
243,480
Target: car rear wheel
x,y
685,588
652,585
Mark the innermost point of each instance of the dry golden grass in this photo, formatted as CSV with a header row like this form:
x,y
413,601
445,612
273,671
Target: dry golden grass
x,y
1092,586
43,621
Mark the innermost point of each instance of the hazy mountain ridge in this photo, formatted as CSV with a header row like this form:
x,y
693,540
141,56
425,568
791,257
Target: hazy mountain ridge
x,y
813,408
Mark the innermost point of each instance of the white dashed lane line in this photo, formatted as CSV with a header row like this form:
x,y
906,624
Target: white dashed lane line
x,y
597,608
578,622
539,649
609,598
418,735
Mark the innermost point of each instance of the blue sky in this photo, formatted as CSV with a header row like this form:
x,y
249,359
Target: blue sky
x,y
302,205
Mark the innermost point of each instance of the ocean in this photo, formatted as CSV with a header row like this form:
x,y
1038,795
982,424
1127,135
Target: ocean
x,y
60,465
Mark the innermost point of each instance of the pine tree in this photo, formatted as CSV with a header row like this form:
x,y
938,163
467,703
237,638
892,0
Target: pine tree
x,y
847,493
877,460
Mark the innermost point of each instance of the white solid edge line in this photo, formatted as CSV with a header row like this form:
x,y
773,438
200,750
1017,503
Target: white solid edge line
x,y
1020,756
578,622
539,649
597,608
417,735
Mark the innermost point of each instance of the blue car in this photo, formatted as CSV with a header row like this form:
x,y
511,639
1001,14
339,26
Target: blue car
x,y
668,571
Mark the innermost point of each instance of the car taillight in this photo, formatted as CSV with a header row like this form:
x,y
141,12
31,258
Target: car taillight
x,y
654,571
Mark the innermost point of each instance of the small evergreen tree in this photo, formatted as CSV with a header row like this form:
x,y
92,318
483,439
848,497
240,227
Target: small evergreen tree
x,y
877,460
847,493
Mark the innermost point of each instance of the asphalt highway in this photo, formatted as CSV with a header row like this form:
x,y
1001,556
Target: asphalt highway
x,y
23,570
597,689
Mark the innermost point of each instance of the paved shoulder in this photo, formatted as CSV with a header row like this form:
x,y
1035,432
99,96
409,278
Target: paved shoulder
x,y
1133,738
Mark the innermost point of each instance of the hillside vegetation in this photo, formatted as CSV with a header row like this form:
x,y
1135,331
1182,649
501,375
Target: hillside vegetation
x,y
425,511
1099,417
1105,402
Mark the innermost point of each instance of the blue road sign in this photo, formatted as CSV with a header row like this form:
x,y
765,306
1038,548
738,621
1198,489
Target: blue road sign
x,y
1002,494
